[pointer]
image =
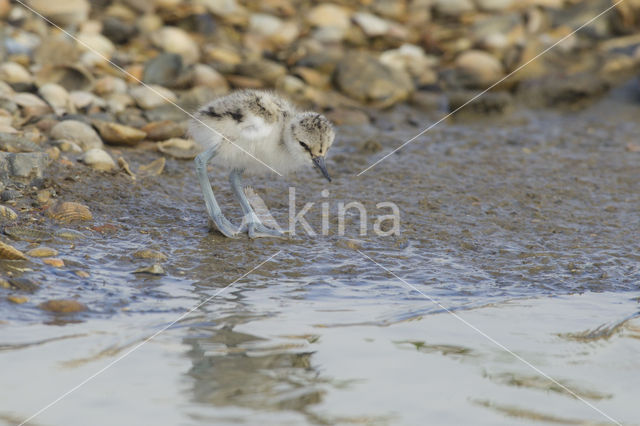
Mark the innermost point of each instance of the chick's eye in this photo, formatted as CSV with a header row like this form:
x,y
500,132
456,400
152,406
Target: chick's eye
x,y
304,145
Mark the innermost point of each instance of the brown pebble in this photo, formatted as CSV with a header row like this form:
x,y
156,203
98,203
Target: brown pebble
x,y
42,252
119,134
82,274
17,299
54,261
163,130
11,253
63,306
150,254
43,196
7,213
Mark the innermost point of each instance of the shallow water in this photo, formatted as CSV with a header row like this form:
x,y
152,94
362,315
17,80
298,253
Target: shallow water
x,y
525,226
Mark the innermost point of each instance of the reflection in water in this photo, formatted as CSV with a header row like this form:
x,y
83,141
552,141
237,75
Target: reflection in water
x,y
226,373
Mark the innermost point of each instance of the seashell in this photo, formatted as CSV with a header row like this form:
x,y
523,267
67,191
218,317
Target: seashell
x,y
98,159
42,252
150,254
68,211
10,252
69,234
154,168
7,214
119,134
125,166
23,233
183,149
71,77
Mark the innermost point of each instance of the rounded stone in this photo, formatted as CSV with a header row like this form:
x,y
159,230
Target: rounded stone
x,y
98,159
479,68
77,132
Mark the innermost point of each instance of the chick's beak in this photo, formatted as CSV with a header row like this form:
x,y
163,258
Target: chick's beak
x,y
319,163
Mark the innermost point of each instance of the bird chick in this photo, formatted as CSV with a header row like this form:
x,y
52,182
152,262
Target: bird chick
x,y
256,132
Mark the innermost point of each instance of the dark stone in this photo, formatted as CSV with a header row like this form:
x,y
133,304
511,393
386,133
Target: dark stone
x,y
117,30
164,69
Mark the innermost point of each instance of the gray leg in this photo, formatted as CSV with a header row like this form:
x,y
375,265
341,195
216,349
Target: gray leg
x,y
222,223
254,226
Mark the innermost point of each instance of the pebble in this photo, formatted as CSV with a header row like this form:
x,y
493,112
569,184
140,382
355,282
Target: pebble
x,y
7,214
19,300
77,132
27,233
23,284
372,25
99,160
63,306
163,130
42,252
65,13
494,5
184,149
98,48
478,69
164,69
155,269
366,79
9,252
58,98
152,96
453,7
81,99
23,164
13,73
118,134
329,15
70,234
54,261
204,75
150,254
32,106
176,40
15,143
